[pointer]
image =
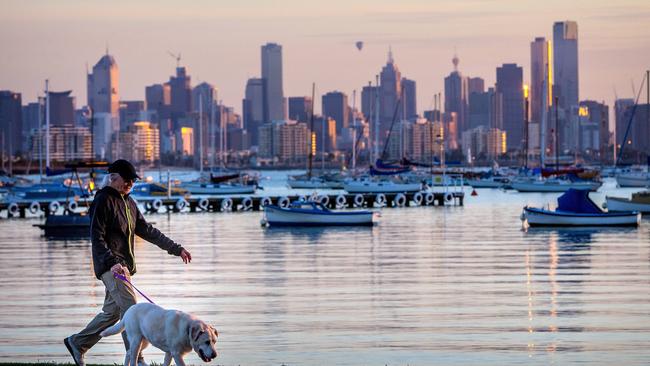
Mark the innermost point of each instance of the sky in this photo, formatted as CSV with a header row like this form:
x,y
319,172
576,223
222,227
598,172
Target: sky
x,y
219,42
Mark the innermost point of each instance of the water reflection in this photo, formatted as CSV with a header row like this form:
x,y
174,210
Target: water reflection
x,y
314,234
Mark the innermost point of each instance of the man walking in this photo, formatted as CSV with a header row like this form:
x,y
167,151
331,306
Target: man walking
x,y
115,220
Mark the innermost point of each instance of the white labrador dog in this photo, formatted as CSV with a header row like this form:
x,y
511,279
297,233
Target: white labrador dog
x,y
174,332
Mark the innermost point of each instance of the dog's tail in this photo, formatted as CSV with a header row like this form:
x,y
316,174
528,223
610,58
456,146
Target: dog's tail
x,y
115,329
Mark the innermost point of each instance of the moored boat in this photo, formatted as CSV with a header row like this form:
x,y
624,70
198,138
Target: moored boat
x,y
380,186
553,185
66,226
639,202
156,189
638,179
314,214
218,188
494,181
575,208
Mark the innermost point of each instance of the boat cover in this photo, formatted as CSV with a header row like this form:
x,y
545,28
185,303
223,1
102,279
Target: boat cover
x,y
578,201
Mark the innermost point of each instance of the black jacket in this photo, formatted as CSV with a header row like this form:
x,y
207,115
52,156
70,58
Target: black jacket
x,y
112,236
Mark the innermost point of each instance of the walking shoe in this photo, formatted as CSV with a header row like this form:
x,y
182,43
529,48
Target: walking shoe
x,y
77,356
142,362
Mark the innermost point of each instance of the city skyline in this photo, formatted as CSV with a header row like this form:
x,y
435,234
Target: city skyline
x,y
220,44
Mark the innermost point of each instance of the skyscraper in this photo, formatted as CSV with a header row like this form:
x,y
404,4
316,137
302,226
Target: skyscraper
x,y
620,108
11,123
510,86
456,96
390,92
475,85
104,88
181,95
565,68
335,106
272,74
62,106
541,88
254,108
158,97
409,103
368,100
300,108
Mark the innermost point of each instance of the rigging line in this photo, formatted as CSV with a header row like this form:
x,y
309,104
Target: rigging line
x,y
629,123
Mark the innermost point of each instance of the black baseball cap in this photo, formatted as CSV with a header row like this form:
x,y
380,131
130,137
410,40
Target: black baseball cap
x,y
124,169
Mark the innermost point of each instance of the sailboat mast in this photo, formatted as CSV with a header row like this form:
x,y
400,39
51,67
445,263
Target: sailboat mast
x,y
354,131
557,138
376,142
311,131
201,132
47,123
212,149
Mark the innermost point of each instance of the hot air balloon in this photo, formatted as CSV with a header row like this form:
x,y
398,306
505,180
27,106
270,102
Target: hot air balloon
x,y
359,45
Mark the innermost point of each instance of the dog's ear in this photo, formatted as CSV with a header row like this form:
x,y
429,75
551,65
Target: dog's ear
x,y
195,331
216,334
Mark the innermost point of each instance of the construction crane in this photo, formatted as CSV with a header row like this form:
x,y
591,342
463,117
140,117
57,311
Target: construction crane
x,y
177,57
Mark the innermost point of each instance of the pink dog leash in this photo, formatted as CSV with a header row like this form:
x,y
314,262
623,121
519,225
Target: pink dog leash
x,y
123,278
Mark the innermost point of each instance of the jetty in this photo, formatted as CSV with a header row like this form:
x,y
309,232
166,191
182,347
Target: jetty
x,y
19,209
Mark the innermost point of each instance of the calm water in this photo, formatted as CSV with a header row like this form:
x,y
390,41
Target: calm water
x,y
455,285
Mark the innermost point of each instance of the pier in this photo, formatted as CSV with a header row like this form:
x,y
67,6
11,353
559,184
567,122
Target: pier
x,y
19,209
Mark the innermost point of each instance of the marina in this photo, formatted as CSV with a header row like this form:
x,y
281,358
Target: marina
x,y
447,285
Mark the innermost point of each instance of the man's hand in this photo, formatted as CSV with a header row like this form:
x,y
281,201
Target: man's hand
x,y
186,256
119,269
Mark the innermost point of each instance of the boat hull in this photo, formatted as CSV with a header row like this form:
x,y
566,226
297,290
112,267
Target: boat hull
x,y
487,183
633,180
625,204
540,217
217,189
66,226
313,184
381,187
276,216
553,187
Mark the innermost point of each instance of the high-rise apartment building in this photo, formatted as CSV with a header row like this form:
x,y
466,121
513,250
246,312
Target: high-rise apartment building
x,y
511,87
593,120
272,74
66,143
140,143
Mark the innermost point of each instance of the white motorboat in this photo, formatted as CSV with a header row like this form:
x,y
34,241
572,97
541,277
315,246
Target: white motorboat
x,y
576,209
554,185
639,202
380,186
314,182
218,188
314,214
637,179
494,181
